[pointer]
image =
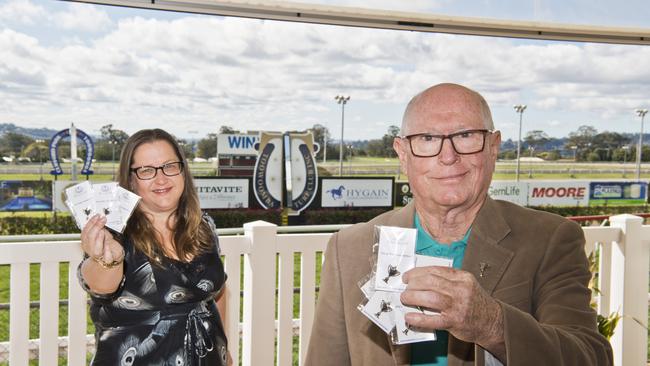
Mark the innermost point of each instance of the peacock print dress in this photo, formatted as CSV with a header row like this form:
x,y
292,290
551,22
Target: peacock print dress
x,y
162,313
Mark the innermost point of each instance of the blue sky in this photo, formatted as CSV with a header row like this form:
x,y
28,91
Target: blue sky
x,y
93,65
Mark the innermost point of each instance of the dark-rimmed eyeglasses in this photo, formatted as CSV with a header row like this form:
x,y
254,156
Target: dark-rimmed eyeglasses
x,y
426,145
149,172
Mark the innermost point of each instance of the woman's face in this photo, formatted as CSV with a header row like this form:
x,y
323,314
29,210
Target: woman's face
x,y
161,193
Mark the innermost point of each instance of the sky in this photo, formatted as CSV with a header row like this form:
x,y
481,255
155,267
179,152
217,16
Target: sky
x,y
93,65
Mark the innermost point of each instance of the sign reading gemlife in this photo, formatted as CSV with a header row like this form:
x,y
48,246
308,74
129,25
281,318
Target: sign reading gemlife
x,y
515,192
558,193
222,192
356,192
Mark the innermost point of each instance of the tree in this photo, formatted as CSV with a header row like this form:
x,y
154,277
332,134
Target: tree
x,y
207,147
109,133
227,129
582,139
186,147
37,151
387,141
606,143
12,143
110,143
383,147
537,139
320,134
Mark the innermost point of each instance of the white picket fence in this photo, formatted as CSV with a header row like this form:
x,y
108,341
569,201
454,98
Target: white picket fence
x,y
624,268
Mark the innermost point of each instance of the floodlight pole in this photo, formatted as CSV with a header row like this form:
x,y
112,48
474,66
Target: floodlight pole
x,y
342,101
641,113
519,108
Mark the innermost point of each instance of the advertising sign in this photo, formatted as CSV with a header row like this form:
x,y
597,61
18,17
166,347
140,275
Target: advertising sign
x,y
54,152
237,144
499,190
618,192
223,192
20,195
403,194
515,192
268,177
304,176
558,193
357,192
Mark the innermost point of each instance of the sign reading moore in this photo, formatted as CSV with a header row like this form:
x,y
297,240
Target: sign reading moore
x,y
222,193
357,192
558,193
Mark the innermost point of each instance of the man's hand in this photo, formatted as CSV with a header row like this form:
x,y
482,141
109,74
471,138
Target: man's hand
x,y
466,310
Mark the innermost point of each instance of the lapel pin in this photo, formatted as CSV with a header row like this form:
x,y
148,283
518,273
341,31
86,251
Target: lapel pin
x,y
483,267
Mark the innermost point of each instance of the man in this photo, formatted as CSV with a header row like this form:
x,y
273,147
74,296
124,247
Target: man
x,y
517,294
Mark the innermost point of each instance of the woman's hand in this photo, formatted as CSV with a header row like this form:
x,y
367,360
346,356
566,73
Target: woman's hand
x,y
98,243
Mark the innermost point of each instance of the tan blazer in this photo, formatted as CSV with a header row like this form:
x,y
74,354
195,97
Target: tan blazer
x,y
536,269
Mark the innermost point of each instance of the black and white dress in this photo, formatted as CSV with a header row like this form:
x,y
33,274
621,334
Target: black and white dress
x,y
161,314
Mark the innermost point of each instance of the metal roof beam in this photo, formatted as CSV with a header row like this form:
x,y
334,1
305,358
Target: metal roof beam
x,y
384,19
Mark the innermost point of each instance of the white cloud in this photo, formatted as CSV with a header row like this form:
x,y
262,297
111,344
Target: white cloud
x,y
21,11
82,17
204,71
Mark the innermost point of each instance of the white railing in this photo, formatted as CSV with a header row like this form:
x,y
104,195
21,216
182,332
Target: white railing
x,y
624,266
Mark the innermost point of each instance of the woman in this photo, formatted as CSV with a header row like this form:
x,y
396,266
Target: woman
x,y
153,289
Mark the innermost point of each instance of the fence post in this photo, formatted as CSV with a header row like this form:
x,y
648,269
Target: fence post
x,y
628,291
258,343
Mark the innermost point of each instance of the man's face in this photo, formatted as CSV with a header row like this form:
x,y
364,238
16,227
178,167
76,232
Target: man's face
x,y
448,180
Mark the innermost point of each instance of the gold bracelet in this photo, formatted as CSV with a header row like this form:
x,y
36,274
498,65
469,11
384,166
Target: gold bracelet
x,y
116,262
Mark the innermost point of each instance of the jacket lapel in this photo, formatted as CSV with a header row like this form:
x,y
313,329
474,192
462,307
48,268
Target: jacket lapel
x,y
487,261
484,257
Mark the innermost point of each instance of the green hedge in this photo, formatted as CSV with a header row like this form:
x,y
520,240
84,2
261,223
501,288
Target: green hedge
x,y
63,224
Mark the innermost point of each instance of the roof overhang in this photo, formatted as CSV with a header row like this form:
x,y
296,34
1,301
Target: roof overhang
x,y
385,19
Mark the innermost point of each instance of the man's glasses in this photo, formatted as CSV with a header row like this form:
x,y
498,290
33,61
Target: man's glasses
x,y
426,145
150,172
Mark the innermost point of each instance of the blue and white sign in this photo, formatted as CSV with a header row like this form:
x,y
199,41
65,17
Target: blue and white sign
x,y
356,192
628,192
237,144
54,151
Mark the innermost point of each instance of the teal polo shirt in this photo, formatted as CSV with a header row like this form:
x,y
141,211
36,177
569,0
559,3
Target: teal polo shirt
x,y
434,353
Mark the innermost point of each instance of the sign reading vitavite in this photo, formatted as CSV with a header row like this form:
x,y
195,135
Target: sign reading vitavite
x,y
357,192
619,192
558,193
237,144
222,192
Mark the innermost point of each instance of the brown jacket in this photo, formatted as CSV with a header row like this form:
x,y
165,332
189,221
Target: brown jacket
x,y
537,270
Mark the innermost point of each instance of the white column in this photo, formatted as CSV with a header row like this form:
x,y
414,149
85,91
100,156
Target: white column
x,y
628,291
258,336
